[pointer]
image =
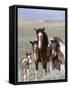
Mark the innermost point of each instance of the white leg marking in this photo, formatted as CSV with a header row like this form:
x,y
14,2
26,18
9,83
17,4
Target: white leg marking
x,y
62,67
50,66
27,74
44,75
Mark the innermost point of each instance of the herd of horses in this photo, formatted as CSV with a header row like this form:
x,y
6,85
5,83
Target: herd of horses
x,y
47,51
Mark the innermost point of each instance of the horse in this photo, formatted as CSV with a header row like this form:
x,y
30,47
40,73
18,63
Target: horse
x,y
42,39
49,58
35,55
24,63
61,43
37,58
57,54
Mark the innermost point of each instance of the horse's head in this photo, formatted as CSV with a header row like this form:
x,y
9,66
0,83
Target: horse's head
x,y
54,46
34,44
40,36
35,49
28,55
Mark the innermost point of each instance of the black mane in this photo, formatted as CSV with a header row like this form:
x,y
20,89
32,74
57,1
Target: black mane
x,y
58,39
45,41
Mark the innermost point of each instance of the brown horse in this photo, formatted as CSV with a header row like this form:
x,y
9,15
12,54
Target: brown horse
x,y
35,55
42,39
57,55
24,63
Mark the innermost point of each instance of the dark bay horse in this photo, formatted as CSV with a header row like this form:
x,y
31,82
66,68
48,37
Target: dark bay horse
x,y
37,58
42,39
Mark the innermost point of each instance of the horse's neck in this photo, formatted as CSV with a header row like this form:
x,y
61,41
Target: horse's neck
x,y
45,41
45,37
58,49
45,45
25,59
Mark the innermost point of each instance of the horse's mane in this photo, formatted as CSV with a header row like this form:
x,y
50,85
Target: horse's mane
x,y
57,45
45,41
58,39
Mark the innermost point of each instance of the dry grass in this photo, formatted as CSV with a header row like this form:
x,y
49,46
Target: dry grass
x,y
26,33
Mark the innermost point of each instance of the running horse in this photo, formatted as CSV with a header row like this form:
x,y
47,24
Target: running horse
x,y
42,39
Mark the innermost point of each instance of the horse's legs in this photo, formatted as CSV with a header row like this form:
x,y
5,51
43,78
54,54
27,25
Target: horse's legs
x,y
27,74
21,74
62,67
44,70
57,64
36,70
49,66
53,65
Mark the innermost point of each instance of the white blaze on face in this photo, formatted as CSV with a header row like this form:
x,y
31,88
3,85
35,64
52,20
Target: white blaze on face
x,y
40,40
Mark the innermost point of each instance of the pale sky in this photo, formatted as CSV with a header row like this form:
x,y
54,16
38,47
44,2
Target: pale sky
x,y
35,14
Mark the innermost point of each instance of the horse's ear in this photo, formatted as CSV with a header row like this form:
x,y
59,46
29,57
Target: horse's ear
x,y
31,42
52,41
35,29
43,28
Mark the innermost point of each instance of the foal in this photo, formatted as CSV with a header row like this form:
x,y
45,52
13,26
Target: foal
x,y
25,66
36,55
